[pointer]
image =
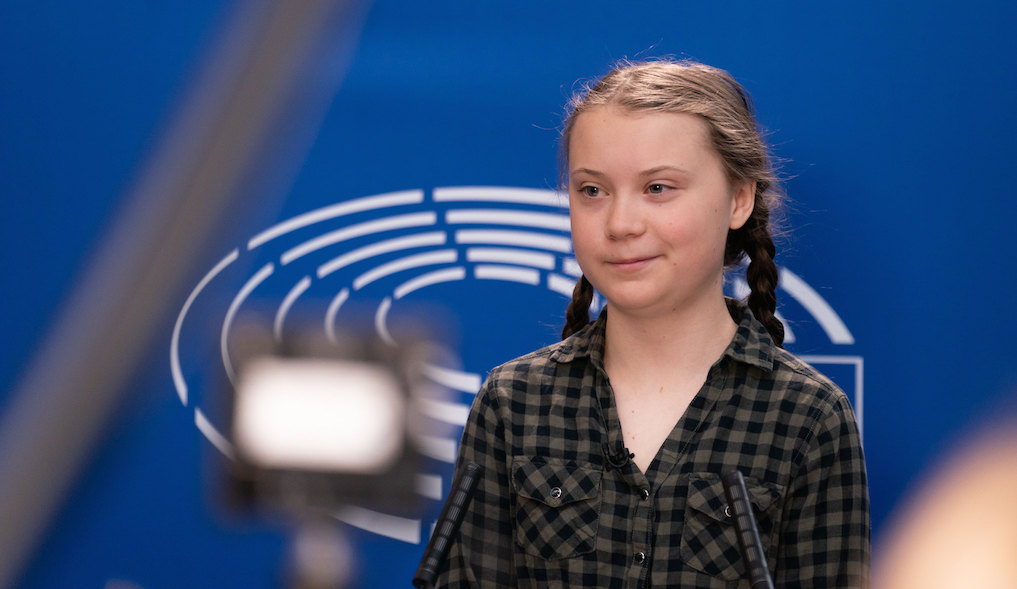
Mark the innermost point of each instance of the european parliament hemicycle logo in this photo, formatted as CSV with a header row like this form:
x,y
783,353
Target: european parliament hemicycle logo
x,y
491,258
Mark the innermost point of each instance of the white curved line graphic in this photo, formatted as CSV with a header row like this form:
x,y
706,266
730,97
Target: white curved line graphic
x,y
817,307
515,238
381,321
429,485
454,379
517,257
561,284
740,289
178,375
382,247
411,240
436,277
789,333
428,259
284,308
533,196
227,323
367,228
333,310
509,273
383,524
506,217
571,267
379,201
445,411
438,448
212,435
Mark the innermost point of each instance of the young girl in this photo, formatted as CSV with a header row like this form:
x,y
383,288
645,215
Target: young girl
x,y
603,454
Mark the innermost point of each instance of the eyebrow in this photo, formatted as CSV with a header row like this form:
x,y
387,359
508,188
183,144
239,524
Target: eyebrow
x,y
649,172
586,171
664,168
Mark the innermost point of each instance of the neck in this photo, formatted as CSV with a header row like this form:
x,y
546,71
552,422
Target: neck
x,y
681,340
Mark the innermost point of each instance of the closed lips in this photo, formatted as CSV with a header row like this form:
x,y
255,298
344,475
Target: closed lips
x,y
632,260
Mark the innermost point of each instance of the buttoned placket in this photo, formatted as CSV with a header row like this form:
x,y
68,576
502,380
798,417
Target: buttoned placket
x,y
641,530
660,469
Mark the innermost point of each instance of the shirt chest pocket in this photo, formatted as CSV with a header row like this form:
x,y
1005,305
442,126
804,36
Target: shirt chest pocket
x,y
709,539
557,507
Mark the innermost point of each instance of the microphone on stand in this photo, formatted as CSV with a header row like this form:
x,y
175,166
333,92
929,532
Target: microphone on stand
x,y
463,486
748,533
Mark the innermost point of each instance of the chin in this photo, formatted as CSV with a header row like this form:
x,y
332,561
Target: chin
x,y
640,305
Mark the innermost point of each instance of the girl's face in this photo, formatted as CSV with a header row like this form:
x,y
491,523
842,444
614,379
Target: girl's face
x,y
651,207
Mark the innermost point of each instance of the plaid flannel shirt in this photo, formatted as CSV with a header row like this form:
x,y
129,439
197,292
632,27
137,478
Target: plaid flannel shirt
x,y
551,509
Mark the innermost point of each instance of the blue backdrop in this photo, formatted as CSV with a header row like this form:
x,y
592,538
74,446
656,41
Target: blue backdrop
x,y
895,125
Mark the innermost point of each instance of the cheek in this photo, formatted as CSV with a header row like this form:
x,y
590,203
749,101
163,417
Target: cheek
x,y
684,231
582,229
583,250
586,247
701,237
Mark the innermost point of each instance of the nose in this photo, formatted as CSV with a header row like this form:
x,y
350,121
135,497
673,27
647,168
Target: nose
x,y
625,218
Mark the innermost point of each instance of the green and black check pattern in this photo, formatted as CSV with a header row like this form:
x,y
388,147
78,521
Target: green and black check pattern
x,y
551,511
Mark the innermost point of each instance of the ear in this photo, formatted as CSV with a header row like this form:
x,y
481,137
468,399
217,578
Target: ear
x,y
742,204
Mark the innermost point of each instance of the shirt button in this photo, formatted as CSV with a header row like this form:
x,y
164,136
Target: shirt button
x,y
639,557
646,494
556,492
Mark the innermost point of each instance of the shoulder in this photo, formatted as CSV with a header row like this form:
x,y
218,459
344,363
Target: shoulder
x,y
547,361
800,377
808,389
822,410
779,376
537,361
545,376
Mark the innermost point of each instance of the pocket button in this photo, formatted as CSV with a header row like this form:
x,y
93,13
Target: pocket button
x,y
556,492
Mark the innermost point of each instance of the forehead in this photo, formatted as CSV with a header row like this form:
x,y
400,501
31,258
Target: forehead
x,y
611,134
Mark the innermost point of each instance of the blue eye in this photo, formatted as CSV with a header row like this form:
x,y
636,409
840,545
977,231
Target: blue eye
x,y
590,190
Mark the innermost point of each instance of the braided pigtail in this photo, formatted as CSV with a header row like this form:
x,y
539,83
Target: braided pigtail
x,y
578,313
761,273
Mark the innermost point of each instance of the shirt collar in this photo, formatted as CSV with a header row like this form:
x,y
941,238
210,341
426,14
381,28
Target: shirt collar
x,y
751,343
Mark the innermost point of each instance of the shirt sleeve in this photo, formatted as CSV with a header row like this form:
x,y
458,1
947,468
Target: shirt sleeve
x,y
825,540
481,554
